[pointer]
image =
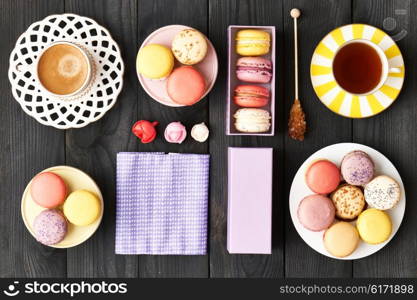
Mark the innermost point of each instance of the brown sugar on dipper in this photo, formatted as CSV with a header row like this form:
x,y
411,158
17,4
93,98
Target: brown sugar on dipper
x,y
297,125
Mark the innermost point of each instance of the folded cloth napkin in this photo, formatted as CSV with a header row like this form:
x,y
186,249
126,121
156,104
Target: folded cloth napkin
x,y
161,203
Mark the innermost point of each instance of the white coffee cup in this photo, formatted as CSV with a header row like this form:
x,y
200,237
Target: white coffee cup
x,y
86,81
386,69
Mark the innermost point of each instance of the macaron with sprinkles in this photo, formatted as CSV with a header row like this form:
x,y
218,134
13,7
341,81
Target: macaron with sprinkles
x,y
50,227
357,168
382,192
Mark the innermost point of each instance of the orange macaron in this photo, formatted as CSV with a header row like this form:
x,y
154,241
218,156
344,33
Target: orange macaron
x,y
251,96
323,176
186,85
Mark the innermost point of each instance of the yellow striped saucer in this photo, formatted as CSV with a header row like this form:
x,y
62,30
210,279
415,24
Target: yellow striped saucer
x,y
340,101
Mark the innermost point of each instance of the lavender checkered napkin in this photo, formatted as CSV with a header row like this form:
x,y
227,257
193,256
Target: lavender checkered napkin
x,y
162,203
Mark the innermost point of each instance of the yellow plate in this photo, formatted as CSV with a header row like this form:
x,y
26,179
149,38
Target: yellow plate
x,y
344,103
75,180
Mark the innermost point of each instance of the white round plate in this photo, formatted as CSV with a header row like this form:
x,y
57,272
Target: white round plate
x,y
335,153
75,180
208,67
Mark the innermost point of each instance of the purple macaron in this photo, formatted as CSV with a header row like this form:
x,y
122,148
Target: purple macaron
x,y
357,168
50,227
254,69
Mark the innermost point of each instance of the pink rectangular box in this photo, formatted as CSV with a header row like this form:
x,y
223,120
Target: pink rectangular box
x,y
249,212
233,81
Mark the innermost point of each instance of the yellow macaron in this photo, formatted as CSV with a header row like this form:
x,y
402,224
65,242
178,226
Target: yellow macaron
x,y
155,61
82,208
374,226
252,42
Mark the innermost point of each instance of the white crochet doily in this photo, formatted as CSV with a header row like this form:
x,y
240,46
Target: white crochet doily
x,y
107,67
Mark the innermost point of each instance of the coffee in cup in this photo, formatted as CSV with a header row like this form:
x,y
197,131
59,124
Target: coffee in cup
x,y
63,69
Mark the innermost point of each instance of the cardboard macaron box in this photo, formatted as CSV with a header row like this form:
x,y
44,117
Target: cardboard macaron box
x,y
251,80
250,111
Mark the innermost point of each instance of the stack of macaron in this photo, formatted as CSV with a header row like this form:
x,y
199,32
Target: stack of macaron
x,y
349,203
185,84
252,95
62,207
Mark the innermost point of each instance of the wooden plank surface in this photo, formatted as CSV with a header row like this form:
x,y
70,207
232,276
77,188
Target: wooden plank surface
x,y
94,147
324,127
151,16
26,148
223,14
393,133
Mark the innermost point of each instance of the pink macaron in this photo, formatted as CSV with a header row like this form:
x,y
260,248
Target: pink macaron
x,y
186,85
316,212
254,69
357,168
323,176
48,190
251,96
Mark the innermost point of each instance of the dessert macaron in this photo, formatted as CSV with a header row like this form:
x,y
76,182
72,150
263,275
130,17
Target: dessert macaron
x,y
175,133
349,201
155,61
48,190
186,85
50,227
374,226
252,120
251,96
254,69
316,212
252,42
382,192
189,46
357,168
322,176
82,208
341,239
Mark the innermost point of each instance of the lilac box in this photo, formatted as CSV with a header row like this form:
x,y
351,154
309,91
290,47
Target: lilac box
x,y
249,212
233,81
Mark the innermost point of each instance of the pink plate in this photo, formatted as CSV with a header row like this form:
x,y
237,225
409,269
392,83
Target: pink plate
x,y
157,88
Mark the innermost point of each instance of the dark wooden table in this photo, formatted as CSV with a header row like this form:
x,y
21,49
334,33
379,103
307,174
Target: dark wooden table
x,y
27,147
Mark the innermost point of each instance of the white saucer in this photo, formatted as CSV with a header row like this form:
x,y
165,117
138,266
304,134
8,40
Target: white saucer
x,y
105,85
335,153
